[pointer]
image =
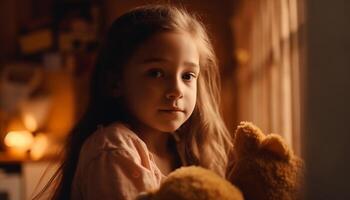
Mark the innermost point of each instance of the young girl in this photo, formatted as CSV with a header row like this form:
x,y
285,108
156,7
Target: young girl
x,y
153,108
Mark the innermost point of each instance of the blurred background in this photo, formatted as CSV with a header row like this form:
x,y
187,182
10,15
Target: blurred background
x,y
284,66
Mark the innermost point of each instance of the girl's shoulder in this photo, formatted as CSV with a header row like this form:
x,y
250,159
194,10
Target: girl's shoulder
x,y
116,137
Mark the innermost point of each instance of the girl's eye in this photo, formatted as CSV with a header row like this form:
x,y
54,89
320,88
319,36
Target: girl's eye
x,y
188,76
155,73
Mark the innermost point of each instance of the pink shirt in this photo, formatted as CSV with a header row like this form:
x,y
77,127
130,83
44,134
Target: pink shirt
x,y
114,163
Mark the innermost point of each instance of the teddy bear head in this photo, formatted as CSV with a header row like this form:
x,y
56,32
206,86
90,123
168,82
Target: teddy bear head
x,y
264,168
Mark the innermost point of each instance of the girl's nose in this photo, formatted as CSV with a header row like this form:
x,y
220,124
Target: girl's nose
x,y
174,95
174,92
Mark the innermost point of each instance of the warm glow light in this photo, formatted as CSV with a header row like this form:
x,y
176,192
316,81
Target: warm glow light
x,y
39,146
242,56
20,140
34,112
29,122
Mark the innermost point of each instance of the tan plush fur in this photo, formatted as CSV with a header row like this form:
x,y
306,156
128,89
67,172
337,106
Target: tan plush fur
x,y
194,183
264,168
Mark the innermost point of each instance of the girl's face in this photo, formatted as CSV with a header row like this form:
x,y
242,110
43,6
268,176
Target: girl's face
x,y
159,82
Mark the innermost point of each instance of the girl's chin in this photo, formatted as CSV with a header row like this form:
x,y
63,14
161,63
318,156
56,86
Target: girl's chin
x,y
170,127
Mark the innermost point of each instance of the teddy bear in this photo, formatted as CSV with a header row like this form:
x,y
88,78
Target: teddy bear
x,y
262,168
194,183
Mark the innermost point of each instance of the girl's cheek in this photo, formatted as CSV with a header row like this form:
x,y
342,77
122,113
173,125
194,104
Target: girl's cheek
x,y
147,89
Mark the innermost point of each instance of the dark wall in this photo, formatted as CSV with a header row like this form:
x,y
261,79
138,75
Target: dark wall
x,y
327,110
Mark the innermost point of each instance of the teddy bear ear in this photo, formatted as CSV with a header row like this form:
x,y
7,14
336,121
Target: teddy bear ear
x,y
247,138
275,144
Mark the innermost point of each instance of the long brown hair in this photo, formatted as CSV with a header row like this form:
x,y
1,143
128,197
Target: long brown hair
x,y
204,137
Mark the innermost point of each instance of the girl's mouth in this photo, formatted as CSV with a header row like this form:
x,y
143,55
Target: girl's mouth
x,y
171,110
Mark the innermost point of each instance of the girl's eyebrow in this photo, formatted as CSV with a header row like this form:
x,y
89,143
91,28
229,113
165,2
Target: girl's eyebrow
x,y
159,60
